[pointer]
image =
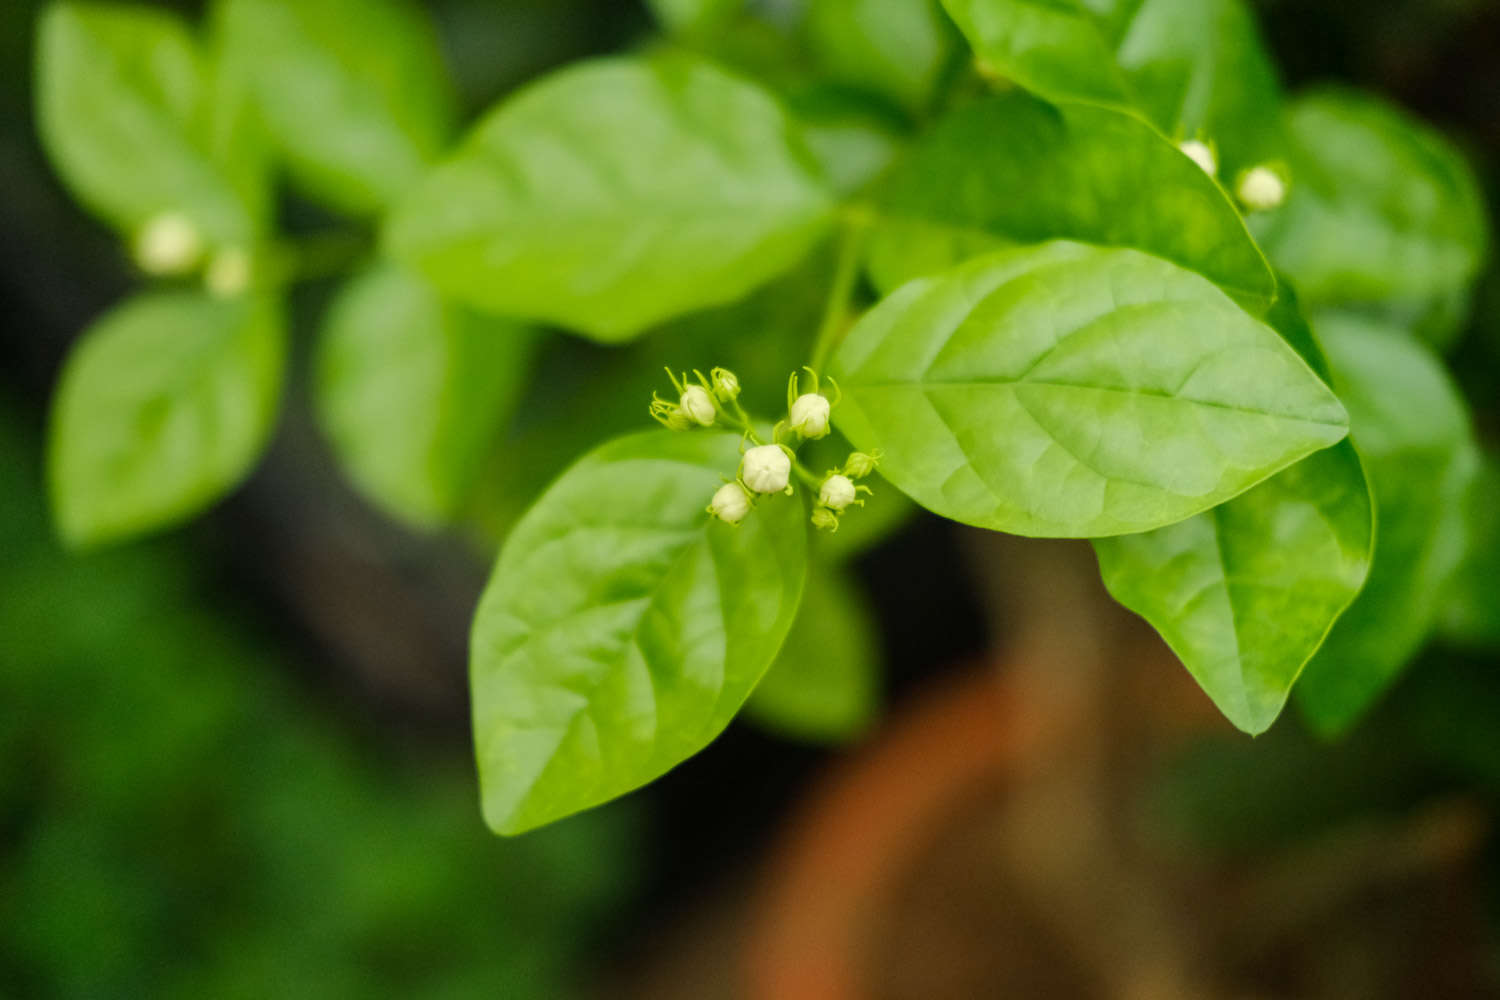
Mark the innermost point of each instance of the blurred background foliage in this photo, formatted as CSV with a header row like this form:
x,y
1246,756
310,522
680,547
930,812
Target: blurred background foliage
x,y
235,761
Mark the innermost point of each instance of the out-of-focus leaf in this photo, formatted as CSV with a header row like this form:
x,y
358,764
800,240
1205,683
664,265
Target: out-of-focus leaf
x,y
896,48
163,406
824,685
616,194
1383,215
354,92
412,391
1412,431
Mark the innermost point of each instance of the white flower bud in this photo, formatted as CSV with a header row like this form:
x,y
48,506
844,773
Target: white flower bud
x,y
168,244
810,415
228,273
766,468
698,405
730,503
1202,155
1261,189
837,492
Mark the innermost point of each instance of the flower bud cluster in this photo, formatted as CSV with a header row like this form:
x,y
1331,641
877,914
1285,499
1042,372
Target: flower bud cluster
x,y
766,468
170,245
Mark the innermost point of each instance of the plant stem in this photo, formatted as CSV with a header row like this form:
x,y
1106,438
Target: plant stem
x,y
321,255
846,272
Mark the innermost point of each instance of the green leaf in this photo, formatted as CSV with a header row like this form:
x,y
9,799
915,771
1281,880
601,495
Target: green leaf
x,y
354,92
1068,390
1472,615
164,405
616,194
1194,67
412,391
132,117
1383,214
623,629
897,48
824,686
691,16
1246,592
1014,169
1412,431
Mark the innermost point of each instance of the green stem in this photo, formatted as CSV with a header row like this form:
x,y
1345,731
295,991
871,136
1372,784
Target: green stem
x,y
805,474
836,313
321,255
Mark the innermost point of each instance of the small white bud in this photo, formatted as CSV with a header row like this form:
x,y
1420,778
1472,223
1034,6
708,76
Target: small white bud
x,y
1202,155
766,468
1261,189
168,244
698,405
837,492
810,415
730,503
228,273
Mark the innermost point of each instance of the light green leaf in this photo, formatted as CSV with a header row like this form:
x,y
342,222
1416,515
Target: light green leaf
x,y
897,48
616,194
1068,390
1246,592
1014,169
411,391
1412,431
164,405
135,121
354,92
690,16
1383,214
622,629
825,684
1194,67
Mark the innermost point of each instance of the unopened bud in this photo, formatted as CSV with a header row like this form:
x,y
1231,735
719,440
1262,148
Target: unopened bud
x,y
1201,154
730,503
698,405
859,465
1261,189
726,385
824,519
837,492
809,415
766,468
168,244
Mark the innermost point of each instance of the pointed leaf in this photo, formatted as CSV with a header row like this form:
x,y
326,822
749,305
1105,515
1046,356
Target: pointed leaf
x,y
1068,390
622,629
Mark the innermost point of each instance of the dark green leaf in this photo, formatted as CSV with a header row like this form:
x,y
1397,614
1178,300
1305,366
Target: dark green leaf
x,y
164,405
1473,606
623,629
1383,214
140,125
897,48
1246,592
412,391
616,194
1013,169
1194,67
825,684
1412,431
354,92
1068,390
